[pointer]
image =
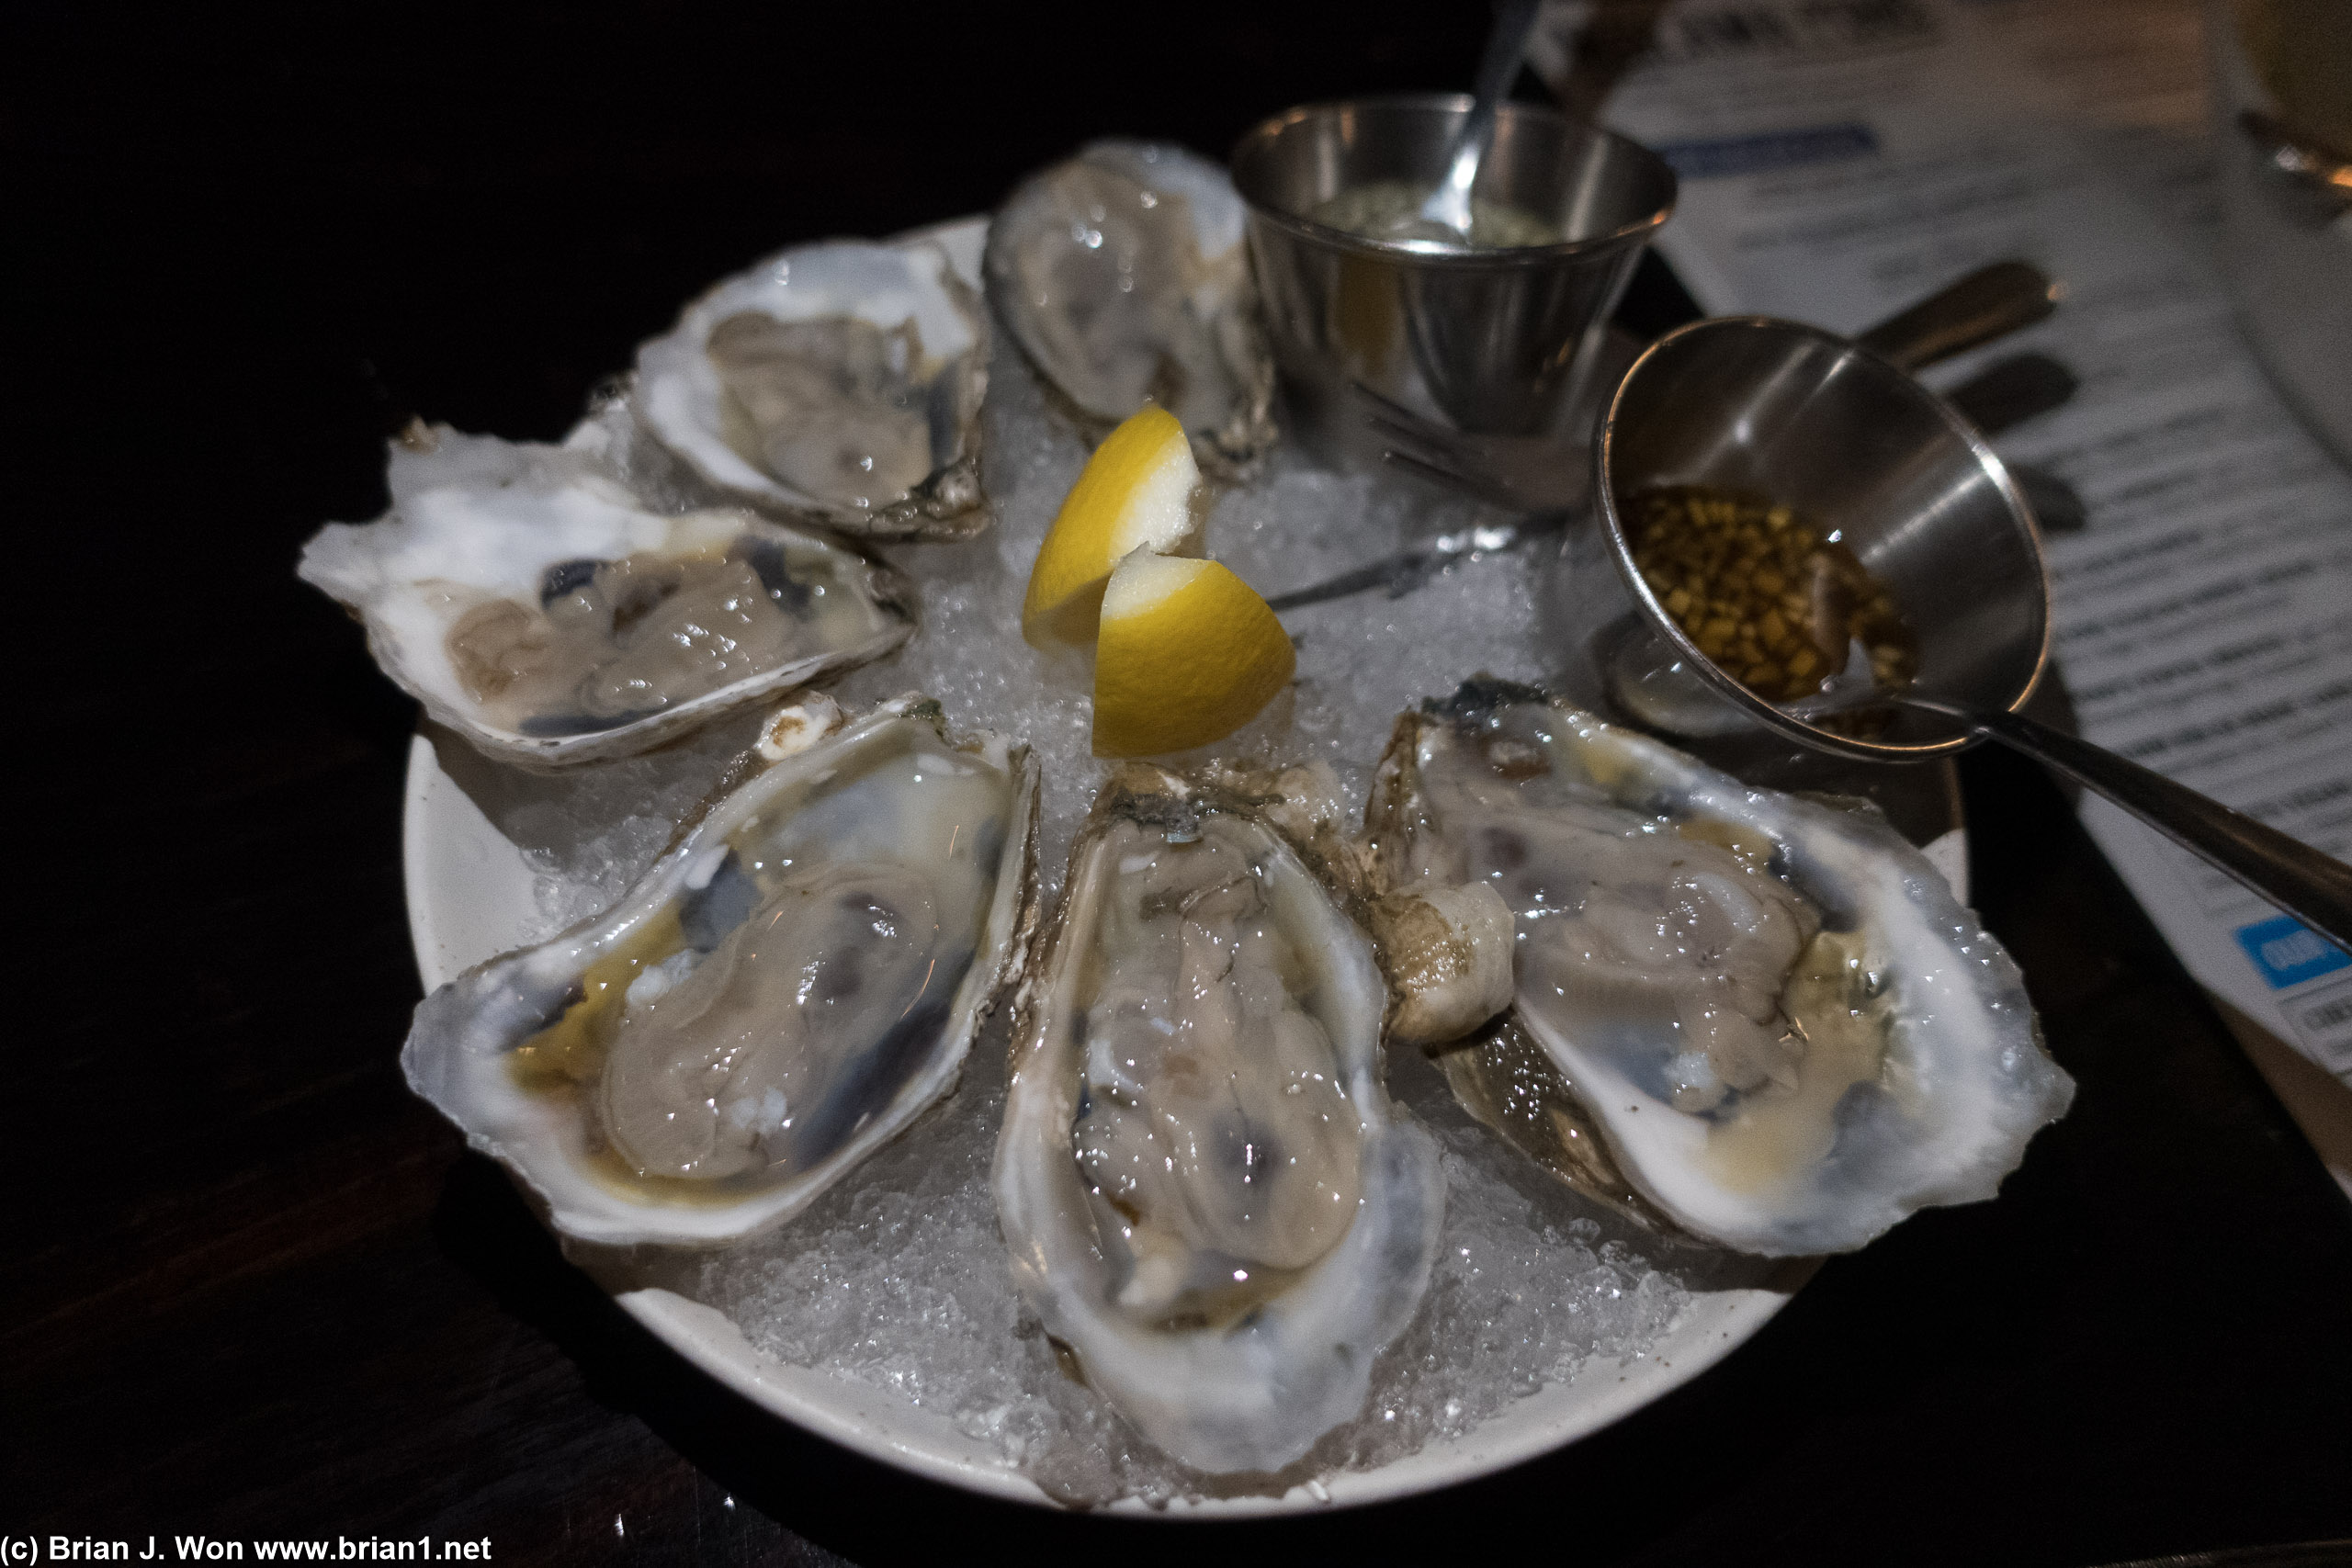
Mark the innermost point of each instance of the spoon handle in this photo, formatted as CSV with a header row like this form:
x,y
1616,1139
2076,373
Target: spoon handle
x,y
2321,174
1450,203
2304,883
1990,303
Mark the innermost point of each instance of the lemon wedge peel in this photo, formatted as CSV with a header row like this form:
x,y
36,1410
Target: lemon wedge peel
x,y
1187,653
1134,493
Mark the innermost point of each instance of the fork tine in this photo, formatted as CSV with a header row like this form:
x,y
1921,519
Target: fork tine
x,y
1442,473
1380,403
1413,437
1398,433
1389,416
1460,462
1476,486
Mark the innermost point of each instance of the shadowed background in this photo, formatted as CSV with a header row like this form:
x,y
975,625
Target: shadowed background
x,y
254,1289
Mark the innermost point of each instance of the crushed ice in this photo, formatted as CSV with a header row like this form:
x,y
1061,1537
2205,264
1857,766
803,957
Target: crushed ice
x,y
896,1279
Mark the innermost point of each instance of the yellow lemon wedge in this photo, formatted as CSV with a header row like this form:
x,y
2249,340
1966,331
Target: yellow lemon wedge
x,y
1134,493
1187,654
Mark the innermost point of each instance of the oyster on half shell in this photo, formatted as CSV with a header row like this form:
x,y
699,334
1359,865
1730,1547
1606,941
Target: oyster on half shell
x,y
838,383
1772,1012
1207,1195
545,611
1123,275
793,982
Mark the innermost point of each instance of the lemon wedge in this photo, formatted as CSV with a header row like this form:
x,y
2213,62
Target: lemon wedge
x,y
1187,654
1134,493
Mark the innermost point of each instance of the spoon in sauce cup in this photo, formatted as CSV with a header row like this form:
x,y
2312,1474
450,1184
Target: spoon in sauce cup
x,y
1837,431
1449,204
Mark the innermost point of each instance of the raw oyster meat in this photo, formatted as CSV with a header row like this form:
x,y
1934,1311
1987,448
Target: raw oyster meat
x,y
1208,1198
839,382
537,607
1786,1031
793,983
1123,275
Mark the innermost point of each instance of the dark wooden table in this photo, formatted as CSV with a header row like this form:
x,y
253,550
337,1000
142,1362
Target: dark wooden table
x,y
255,1291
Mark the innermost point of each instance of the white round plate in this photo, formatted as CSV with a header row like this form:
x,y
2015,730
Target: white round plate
x,y
471,897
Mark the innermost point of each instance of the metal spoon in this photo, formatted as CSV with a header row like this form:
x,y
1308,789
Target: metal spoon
x,y
1845,436
1450,203
2288,872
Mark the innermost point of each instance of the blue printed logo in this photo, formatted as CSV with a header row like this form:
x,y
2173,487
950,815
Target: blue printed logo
x,y
2290,952
1772,150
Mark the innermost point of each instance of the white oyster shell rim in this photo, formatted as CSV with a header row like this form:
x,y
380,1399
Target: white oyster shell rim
x,y
1219,215
1229,444
1256,1397
887,282
469,896
455,1054
1966,1035
491,515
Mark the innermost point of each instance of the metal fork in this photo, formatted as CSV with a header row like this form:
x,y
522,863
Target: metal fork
x,y
2001,396
1480,467
1399,574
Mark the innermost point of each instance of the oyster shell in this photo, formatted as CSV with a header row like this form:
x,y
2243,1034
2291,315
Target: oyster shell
x,y
838,382
1208,1198
541,610
1786,1031
795,981
1123,275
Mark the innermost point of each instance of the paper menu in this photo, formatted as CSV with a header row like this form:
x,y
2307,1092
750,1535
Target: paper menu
x,y
1841,160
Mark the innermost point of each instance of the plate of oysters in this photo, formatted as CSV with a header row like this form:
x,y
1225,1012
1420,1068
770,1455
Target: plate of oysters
x,y
968,972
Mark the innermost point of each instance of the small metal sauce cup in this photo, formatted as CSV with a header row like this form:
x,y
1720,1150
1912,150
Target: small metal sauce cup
x,y
1819,423
1827,427
1487,342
